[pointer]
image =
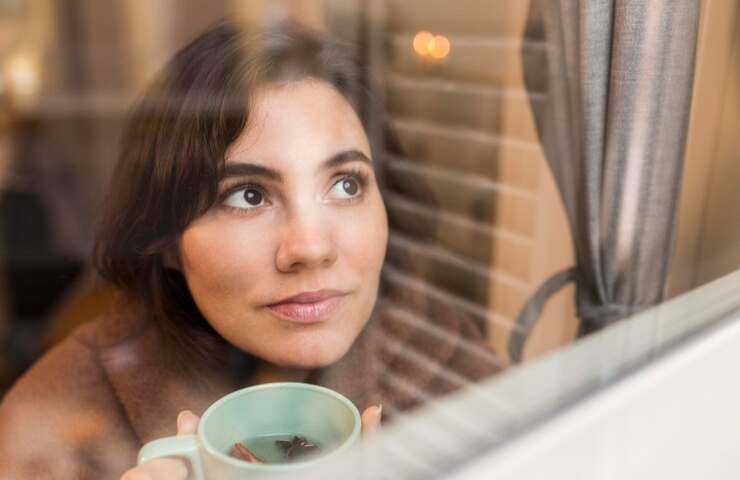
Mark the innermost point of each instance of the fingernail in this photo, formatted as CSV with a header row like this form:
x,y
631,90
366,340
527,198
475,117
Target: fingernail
x,y
379,407
180,417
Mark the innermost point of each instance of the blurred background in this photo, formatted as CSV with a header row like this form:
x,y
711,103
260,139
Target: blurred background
x,y
450,80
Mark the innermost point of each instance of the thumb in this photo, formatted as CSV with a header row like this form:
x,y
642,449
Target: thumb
x,y
371,418
187,422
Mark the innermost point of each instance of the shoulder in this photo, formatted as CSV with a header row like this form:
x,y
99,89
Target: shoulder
x,y
58,417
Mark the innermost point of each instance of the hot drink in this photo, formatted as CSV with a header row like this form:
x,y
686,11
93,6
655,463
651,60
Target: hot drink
x,y
274,448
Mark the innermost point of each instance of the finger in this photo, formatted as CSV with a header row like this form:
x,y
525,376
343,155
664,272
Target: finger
x,y
371,418
187,422
160,468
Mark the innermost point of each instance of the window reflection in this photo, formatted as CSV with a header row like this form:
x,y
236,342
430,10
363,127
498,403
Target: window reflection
x,y
441,241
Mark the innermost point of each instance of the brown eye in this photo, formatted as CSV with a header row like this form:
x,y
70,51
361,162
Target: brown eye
x,y
247,198
253,197
347,188
350,186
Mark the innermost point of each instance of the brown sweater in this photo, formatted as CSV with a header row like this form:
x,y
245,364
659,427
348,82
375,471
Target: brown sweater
x,y
84,410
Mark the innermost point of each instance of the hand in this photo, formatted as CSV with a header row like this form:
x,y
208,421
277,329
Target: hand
x,y
167,468
187,422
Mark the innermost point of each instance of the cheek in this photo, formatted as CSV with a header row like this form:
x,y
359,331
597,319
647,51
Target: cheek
x,y
363,239
220,262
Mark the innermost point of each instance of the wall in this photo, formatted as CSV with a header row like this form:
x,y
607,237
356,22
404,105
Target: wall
x,y
708,231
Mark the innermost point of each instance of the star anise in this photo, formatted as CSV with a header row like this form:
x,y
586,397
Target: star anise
x,y
298,446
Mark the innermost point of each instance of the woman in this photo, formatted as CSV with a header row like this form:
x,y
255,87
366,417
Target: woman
x,y
246,231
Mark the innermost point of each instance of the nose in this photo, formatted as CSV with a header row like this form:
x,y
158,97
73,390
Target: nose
x,y
305,243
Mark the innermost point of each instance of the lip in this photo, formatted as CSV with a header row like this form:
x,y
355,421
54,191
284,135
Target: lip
x,y
308,307
311,297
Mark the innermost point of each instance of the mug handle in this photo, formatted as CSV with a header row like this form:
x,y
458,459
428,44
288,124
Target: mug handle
x,y
180,446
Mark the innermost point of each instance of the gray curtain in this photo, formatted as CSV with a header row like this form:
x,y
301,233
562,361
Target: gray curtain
x,y
613,128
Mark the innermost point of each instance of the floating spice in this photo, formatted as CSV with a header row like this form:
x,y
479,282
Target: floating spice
x,y
296,447
241,452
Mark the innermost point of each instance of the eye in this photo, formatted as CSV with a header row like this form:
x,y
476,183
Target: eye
x,y
346,187
246,198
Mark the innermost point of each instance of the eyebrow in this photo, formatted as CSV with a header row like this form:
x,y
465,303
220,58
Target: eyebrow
x,y
251,169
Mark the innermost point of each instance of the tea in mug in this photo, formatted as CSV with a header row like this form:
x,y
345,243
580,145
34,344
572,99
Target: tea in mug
x,y
274,448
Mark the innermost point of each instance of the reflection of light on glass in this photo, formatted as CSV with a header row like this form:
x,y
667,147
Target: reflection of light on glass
x,y
428,45
421,43
22,75
439,47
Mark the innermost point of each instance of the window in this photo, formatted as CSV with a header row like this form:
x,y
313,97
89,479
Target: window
x,y
560,186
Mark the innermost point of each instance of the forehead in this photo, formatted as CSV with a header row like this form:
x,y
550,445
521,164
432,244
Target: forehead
x,y
307,120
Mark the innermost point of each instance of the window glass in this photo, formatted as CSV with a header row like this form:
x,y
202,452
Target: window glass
x,y
474,215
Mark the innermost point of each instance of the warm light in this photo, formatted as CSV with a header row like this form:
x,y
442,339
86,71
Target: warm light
x,y
439,47
421,43
428,45
23,77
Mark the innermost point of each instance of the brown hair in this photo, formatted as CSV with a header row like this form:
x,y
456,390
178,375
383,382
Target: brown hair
x,y
173,154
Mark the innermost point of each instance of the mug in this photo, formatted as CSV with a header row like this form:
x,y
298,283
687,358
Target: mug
x,y
267,411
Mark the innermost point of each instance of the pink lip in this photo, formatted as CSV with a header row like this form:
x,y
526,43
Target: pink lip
x,y
308,307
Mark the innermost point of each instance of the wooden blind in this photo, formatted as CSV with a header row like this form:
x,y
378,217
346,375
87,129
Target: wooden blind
x,y
465,133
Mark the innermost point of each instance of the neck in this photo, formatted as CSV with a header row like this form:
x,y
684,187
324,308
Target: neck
x,y
267,373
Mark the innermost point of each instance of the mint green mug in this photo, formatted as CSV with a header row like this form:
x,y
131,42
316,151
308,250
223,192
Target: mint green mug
x,y
256,416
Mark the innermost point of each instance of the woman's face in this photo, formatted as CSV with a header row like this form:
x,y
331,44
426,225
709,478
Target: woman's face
x,y
286,266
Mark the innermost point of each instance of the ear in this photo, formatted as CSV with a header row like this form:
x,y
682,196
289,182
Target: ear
x,y
171,258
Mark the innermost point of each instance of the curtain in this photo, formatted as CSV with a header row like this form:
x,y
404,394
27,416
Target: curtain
x,y
619,76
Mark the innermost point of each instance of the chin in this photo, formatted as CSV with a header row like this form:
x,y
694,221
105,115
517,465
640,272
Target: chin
x,y
315,357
